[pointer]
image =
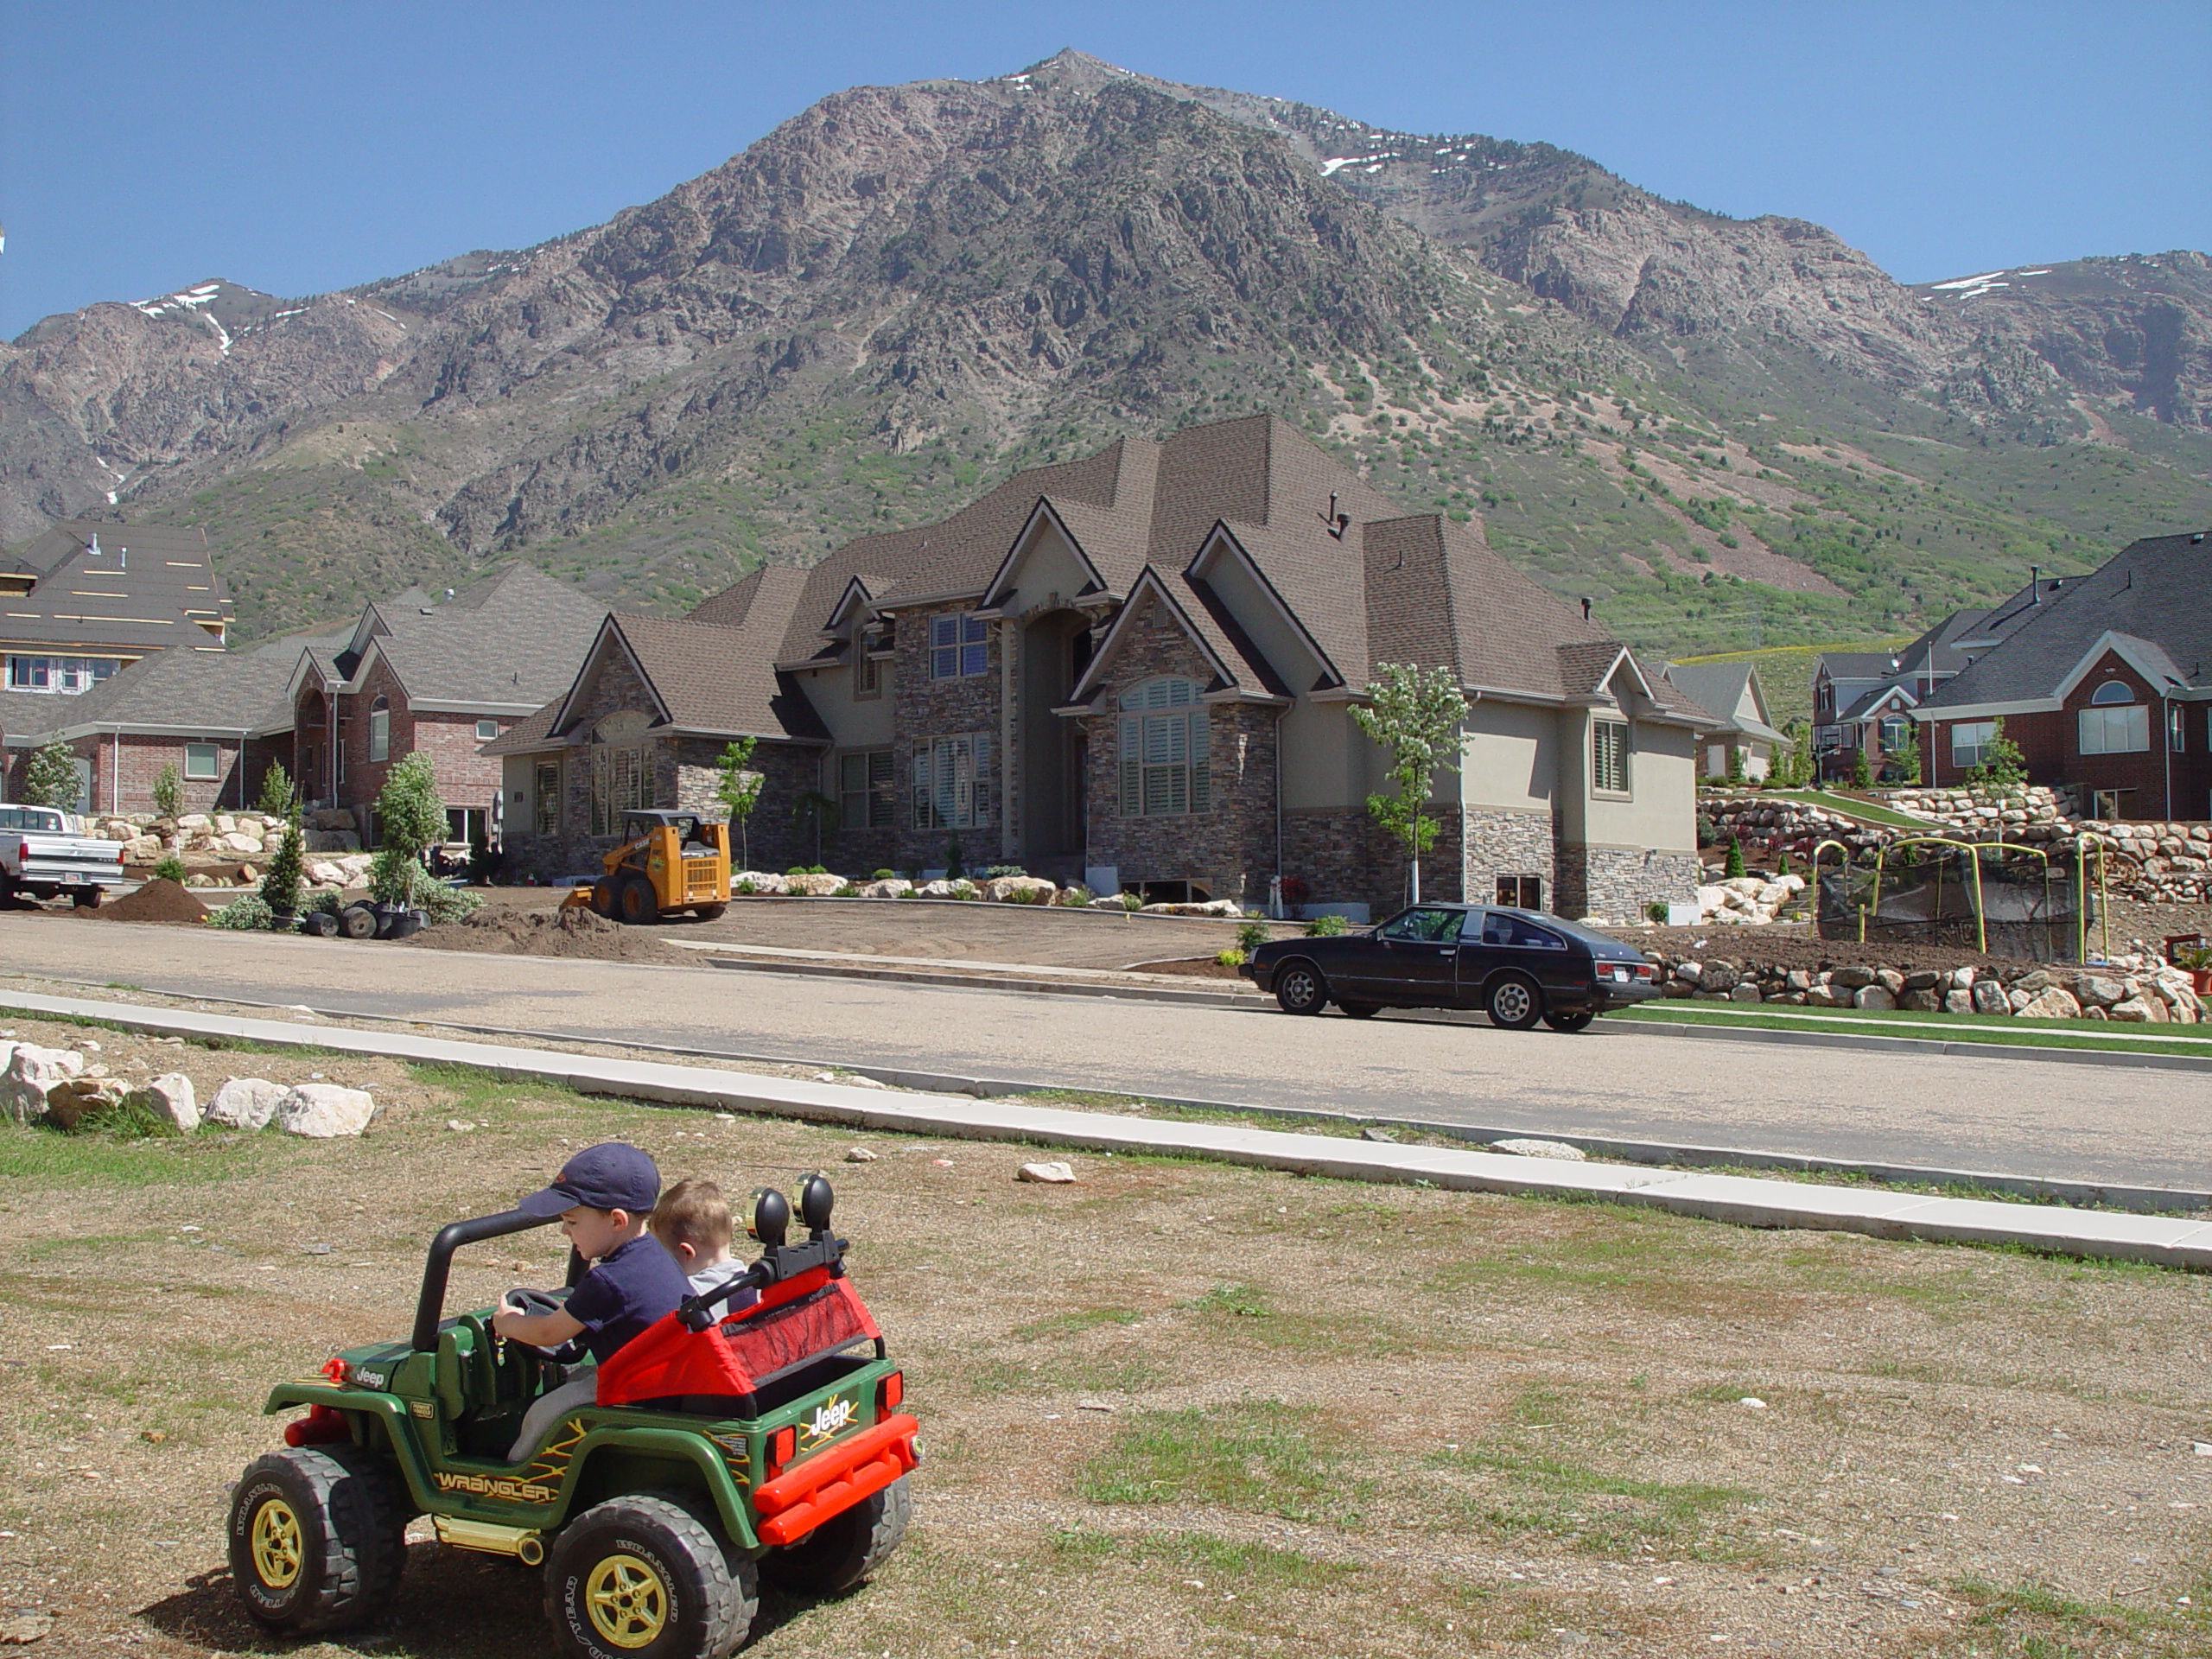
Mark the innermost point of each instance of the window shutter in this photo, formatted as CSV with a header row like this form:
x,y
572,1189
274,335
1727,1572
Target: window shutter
x,y
1201,764
918,785
1132,765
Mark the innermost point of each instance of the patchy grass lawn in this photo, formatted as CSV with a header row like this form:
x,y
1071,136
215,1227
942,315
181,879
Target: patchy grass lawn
x,y
2129,1039
1178,1408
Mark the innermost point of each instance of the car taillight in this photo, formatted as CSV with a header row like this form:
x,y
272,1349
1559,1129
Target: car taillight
x,y
888,1393
781,1444
1645,971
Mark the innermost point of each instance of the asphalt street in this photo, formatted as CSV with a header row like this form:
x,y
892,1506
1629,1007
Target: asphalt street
x,y
2067,1122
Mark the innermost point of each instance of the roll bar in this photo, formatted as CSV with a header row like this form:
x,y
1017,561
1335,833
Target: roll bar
x,y
431,1308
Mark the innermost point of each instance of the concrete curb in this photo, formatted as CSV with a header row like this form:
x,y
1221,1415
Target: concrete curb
x,y
2164,1240
945,982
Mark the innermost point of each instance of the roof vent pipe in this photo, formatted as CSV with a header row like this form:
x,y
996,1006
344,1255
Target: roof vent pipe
x,y
2035,584
1586,608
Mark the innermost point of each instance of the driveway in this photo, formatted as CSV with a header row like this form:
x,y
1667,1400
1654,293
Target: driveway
x,y
2003,1115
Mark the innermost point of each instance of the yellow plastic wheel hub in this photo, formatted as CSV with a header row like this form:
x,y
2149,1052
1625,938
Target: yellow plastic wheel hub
x,y
275,1540
627,1602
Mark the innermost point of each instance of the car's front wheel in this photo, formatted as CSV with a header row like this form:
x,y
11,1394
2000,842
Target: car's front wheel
x,y
1514,1003
1299,988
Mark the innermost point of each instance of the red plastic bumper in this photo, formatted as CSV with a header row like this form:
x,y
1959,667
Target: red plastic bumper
x,y
805,1495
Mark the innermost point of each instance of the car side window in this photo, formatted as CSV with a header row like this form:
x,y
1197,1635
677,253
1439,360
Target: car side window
x,y
1422,926
1503,928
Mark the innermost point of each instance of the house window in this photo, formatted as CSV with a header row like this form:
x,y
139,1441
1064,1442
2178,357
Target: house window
x,y
867,671
68,675
379,730
1894,729
1521,892
547,805
2176,729
202,761
1827,738
1970,741
959,647
950,783
487,730
2114,723
865,799
1609,757
1165,770
620,782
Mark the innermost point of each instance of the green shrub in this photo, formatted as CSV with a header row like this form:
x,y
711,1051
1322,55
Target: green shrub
x,y
745,889
280,886
848,891
1782,867
278,798
168,791
998,870
170,867
248,914
885,875
1325,927
1735,864
1133,902
1074,898
1232,957
1251,936
1655,913
444,904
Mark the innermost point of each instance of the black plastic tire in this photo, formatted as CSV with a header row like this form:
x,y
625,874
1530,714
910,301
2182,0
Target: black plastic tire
x,y
1513,1002
634,902
1299,988
1569,1023
317,1537
710,912
645,1578
845,1549
1361,1010
319,924
358,922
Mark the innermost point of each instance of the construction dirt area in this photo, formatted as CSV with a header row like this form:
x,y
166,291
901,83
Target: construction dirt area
x,y
1174,1408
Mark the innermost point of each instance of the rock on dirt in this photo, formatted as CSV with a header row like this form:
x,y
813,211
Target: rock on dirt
x,y
170,1099
246,1103
859,1155
324,1111
31,1075
571,931
159,900
1051,1174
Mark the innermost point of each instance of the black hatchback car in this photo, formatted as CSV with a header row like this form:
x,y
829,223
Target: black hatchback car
x,y
1517,966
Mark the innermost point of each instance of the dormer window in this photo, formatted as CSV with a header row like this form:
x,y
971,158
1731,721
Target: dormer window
x,y
959,647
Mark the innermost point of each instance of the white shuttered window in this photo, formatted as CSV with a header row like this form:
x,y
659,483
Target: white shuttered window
x,y
1165,769
950,783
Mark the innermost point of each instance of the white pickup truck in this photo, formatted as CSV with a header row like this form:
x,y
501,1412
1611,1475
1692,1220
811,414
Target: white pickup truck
x,y
43,853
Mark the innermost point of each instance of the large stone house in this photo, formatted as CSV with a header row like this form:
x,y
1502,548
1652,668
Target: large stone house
x,y
1138,668
2104,684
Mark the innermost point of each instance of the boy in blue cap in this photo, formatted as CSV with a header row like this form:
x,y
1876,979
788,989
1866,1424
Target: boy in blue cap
x,y
604,1197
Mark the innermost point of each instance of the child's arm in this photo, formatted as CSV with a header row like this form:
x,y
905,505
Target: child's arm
x,y
538,1330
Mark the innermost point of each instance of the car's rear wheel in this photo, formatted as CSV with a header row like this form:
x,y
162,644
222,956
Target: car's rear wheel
x,y
1569,1022
317,1537
1514,1003
645,1578
1361,1010
844,1549
1299,988
634,902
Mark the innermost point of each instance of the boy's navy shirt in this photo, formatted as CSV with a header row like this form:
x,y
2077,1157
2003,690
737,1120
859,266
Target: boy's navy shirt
x,y
632,1286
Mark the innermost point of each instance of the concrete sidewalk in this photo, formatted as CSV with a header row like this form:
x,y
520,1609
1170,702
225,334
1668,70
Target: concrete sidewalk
x,y
2164,1241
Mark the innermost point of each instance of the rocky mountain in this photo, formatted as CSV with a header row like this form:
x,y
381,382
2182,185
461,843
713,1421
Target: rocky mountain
x,y
1722,429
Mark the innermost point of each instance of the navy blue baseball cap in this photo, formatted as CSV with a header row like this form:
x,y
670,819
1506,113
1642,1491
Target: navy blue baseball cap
x,y
612,1175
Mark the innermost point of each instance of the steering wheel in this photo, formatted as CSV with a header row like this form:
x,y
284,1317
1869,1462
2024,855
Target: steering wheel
x,y
547,1301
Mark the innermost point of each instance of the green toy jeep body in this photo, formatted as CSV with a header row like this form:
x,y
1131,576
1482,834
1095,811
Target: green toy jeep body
x,y
679,1502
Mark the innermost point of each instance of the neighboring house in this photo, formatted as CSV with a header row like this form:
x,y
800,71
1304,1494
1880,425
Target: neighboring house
x,y
1741,725
218,717
440,676
2106,686
85,600
1139,667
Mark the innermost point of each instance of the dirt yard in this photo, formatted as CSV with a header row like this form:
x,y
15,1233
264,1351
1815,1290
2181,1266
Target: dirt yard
x,y
1177,1408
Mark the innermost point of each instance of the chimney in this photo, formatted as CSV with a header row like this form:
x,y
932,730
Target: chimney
x,y
2035,584
1586,608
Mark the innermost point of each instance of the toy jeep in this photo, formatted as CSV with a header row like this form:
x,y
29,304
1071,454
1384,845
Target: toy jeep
x,y
721,1449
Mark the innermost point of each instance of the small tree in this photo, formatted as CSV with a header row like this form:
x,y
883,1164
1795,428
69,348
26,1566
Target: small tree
x,y
410,815
50,778
1415,714
278,798
1735,779
1734,867
168,791
1862,769
739,789
1909,763
2004,769
281,885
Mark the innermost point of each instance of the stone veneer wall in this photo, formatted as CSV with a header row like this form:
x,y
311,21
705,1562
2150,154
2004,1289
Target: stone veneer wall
x,y
1619,881
1344,857
1228,849
929,709
1500,842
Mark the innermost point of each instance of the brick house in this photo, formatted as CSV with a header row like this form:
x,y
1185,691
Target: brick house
x,y
1138,668
2105,684
437,675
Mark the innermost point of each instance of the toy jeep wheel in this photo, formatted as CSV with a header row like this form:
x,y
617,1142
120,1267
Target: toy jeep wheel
x,y
644,1578
844,1549
317,1538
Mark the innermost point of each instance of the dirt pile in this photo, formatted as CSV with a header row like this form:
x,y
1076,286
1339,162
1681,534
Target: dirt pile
x,y
570,931
159,900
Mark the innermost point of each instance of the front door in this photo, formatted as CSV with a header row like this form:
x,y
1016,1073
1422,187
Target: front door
x,y
1411,960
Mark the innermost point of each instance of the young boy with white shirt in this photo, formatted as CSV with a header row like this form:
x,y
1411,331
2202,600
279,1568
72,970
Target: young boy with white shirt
x,y
692,1221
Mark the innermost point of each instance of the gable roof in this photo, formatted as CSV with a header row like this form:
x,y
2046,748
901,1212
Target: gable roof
x,y
504,643
1721,688
2153,591
131,588
187,691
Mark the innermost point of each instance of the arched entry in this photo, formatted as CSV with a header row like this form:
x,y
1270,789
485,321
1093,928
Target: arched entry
x,y
1055,650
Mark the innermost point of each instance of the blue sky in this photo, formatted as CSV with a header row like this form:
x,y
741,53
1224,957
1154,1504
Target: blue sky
x,y
301,148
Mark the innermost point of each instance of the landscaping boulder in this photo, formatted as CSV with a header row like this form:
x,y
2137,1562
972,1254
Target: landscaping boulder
x,y
890,888
246,1103
2051,1003
1022,889
2097,991
818,887
73,1100
1223,907
170,1099
1959,1002
1719,976
1745,991
961,889
324,1111
32,1072
1989,997
1053,1173
1924,1001
759,882
1874,996
2136,1010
